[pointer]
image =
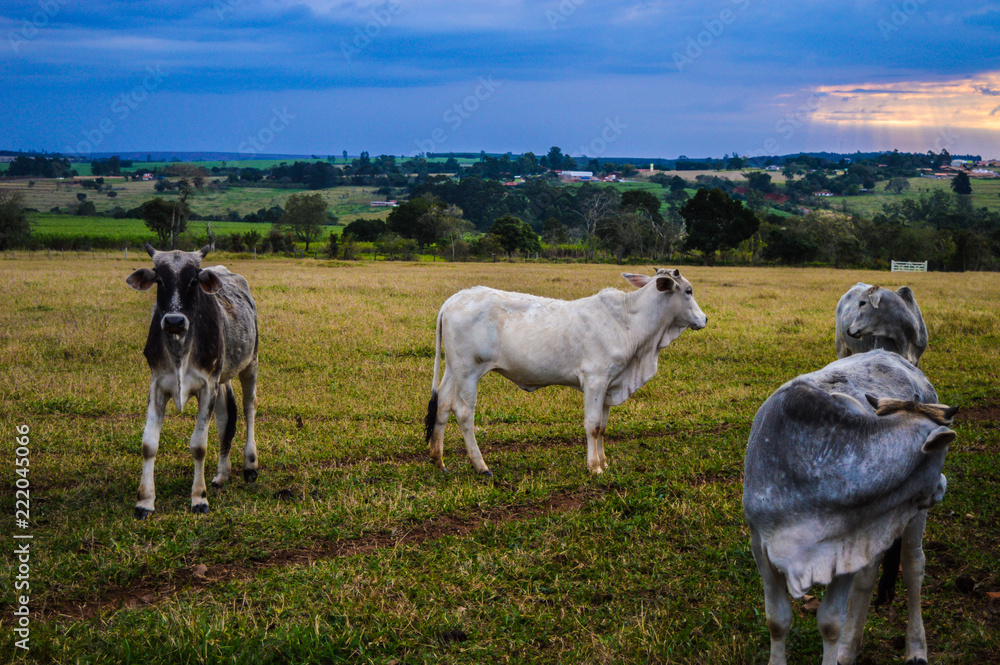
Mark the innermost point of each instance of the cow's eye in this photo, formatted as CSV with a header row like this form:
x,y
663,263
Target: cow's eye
x,y
862,303
689,291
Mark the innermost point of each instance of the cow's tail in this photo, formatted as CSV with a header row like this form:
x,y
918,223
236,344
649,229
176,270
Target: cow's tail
x,y
890,571
432,406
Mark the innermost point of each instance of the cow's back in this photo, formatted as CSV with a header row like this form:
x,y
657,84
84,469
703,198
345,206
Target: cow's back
x,y
237,321
533,341
827,482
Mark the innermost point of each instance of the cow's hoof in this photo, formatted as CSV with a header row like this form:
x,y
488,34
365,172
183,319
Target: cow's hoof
x,y
143,513
217,486
200,508
249,475
486,474
916,661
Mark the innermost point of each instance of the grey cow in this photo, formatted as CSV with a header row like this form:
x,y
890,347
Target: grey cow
x,y
203,333
841,463
870,317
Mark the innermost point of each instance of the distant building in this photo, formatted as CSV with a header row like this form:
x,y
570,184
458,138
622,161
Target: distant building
x,y
576,175
383,204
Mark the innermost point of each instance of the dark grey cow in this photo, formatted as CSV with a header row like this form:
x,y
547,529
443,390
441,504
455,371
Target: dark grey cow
x,y
841,463
870,317
203,334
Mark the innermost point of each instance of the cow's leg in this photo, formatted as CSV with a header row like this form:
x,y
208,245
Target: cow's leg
x,y
199,446
777,607
600,440
439,409
248,382
155,410
912,561
465,413
832,615
857,612
595,418
225,423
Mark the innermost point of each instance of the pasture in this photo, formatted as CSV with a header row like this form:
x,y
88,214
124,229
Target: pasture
x,y
352,547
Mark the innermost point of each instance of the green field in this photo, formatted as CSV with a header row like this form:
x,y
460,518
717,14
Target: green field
x,y
985,194
127,232
352,547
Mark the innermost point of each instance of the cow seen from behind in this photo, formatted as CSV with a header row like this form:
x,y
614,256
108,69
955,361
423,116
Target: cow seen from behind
x,y
871,317
605,345
841,468
202,335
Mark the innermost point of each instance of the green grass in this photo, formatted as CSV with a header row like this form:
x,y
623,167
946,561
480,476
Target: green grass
x,y
351,547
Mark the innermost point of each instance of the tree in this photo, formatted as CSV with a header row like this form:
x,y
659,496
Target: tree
x,y
453,227
960,184
14,225
305,215
897,185
715,221
555,158
514,235
640,199
594,205
366,230
167,220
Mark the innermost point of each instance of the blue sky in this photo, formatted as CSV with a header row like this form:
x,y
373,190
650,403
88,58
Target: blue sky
x,y
596,77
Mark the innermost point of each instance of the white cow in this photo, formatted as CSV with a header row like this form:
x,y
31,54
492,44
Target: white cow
x,y
605,345
841,466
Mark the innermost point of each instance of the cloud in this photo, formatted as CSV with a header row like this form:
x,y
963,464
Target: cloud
x,y
961,102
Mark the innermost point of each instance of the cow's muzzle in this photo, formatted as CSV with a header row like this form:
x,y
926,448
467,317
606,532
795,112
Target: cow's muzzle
x,y
174,324
856,334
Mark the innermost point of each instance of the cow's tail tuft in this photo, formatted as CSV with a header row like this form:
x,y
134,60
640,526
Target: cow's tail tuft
x,y
432,407
890,571
430,420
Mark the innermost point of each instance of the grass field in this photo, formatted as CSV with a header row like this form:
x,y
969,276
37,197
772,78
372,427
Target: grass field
x,y
347,203
352,547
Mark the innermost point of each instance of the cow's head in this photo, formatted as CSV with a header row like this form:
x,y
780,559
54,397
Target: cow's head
x,y
179,281
672,285
880,312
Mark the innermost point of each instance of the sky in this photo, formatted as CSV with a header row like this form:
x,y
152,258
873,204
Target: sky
x,y
598,78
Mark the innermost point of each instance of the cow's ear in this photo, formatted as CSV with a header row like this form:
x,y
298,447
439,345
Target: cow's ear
x,y
150,250
675,272
209,280
939,439
906,293
142,279
638,281
875,296
205,250
666,284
